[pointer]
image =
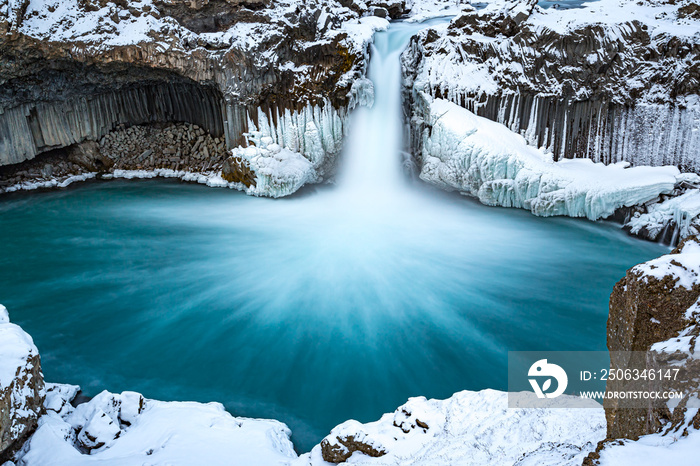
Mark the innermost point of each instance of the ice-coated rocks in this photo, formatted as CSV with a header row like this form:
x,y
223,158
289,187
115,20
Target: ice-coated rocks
x,y
21,386
476,156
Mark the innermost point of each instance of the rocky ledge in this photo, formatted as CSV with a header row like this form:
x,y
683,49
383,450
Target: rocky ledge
x,y
654,318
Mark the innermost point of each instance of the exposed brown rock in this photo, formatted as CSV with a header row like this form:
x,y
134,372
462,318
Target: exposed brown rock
x,y
643,310
237,170
88,155
343,448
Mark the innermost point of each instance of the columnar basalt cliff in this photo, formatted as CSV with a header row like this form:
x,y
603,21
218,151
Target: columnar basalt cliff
x,y
611,81
74,71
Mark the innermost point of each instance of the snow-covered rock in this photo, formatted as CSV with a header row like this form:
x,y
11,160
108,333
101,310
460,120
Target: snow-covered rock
x,y
126,429
469,428
612,80
669,220
654,323
21,385
476,156
671,447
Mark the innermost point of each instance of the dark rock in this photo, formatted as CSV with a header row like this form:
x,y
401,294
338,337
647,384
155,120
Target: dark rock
x,y
89,156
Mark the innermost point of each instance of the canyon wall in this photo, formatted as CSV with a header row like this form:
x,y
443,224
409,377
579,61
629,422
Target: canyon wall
x,y
73,71
611,81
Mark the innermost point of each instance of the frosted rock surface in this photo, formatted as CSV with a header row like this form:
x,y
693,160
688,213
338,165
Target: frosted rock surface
x,y
126,429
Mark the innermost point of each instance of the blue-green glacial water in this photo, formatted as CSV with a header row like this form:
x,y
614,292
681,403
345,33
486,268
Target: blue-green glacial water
x,y
339,302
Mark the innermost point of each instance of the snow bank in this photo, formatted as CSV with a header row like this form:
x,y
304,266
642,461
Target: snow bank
x,y
126,429
279,172
474,155
653,450
421,10
469,428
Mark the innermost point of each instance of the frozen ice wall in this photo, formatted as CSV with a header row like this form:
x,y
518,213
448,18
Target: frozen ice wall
x,y
474,155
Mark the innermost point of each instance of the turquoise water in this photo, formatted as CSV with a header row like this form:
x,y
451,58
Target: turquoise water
x,y
337,303
294,308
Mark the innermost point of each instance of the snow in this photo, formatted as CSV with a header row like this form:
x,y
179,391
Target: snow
x,y
666,447
47,184
16,347
476,156
421,10
126,429
279,172
111,25
683,267
473,428
681,211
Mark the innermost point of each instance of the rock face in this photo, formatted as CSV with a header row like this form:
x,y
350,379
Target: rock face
x,y
21,386
597,82
75,70
655,309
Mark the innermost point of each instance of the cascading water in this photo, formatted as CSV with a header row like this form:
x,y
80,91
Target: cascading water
x,y
337,303
371,158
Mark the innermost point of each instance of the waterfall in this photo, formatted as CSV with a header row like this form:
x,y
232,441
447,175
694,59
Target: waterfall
x,y
372,162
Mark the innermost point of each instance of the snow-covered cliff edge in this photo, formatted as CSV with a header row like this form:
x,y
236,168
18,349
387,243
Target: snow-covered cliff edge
x,y
21,386
614,80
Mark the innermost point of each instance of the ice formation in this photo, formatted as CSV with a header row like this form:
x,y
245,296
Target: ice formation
x,y
474,155
678,212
